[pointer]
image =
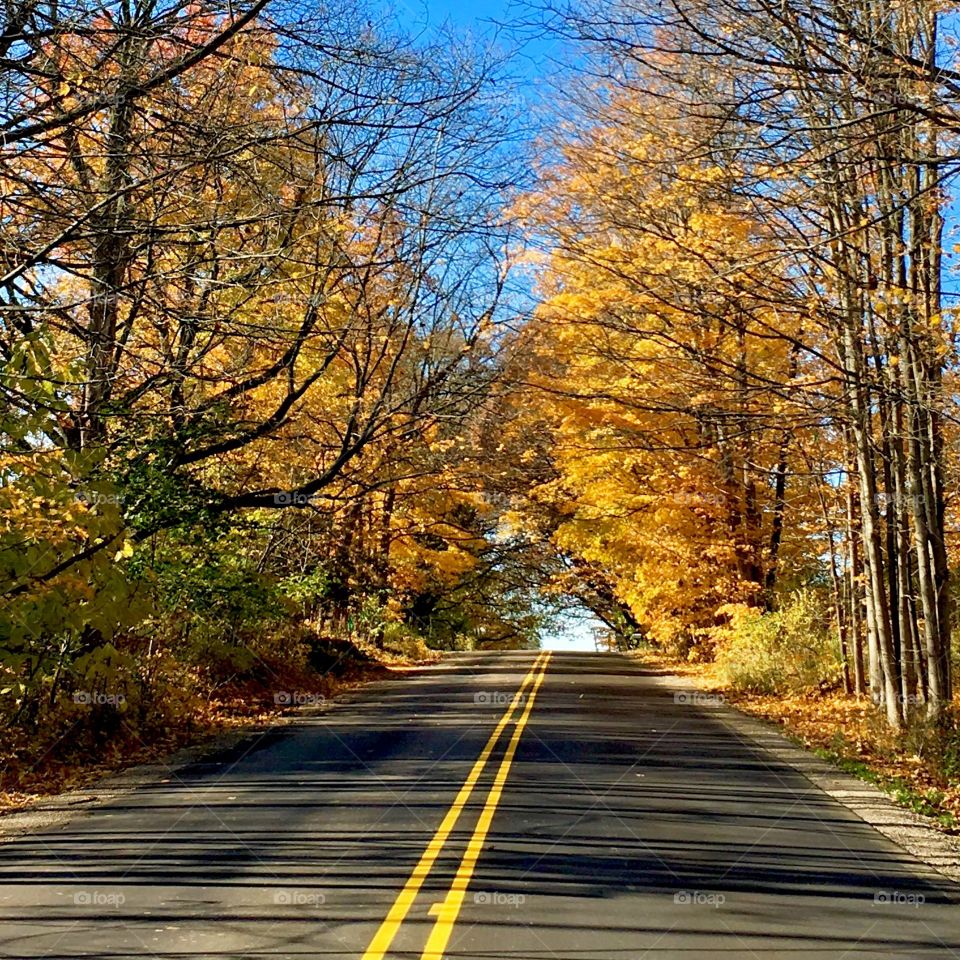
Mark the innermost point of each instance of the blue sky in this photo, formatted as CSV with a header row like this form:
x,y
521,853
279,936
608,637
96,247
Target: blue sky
x,y
483,19
534,63
475,14
467,13
532,66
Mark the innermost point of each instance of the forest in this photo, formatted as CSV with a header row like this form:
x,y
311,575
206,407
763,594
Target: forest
x,y
318,342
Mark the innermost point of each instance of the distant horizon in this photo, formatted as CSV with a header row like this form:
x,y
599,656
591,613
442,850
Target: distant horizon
x,y
572,635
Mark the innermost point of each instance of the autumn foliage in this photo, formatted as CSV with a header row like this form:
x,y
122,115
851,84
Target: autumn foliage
x,y
742,350
274,388
243,338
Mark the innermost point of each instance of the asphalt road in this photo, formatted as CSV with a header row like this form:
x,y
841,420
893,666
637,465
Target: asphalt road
x,y
608,822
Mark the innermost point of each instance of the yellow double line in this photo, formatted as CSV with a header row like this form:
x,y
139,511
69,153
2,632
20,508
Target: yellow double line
x,y
448,910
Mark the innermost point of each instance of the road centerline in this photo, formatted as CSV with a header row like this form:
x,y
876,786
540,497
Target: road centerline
x,y
448,909
391,924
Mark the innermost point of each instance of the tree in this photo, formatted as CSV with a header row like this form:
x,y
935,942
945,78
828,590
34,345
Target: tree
x,y
246,255
834,141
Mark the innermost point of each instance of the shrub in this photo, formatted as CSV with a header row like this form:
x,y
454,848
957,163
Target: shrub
x,y
403,641
791,649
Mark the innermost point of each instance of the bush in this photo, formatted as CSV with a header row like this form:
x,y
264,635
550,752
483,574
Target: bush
x,y
792,649
403,641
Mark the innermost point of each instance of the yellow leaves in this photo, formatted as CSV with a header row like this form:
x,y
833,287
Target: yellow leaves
x,y
125,551
646,315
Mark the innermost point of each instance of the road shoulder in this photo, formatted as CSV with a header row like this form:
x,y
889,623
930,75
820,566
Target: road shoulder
x,y
57,810
911,832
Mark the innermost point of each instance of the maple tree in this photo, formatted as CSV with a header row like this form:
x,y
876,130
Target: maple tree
x,y
668,395
241,328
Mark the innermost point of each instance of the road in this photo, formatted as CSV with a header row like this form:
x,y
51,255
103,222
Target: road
x,y
605,821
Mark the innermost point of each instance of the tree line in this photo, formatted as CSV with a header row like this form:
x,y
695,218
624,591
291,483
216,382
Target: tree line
x,y
251,271
270,378
745,346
